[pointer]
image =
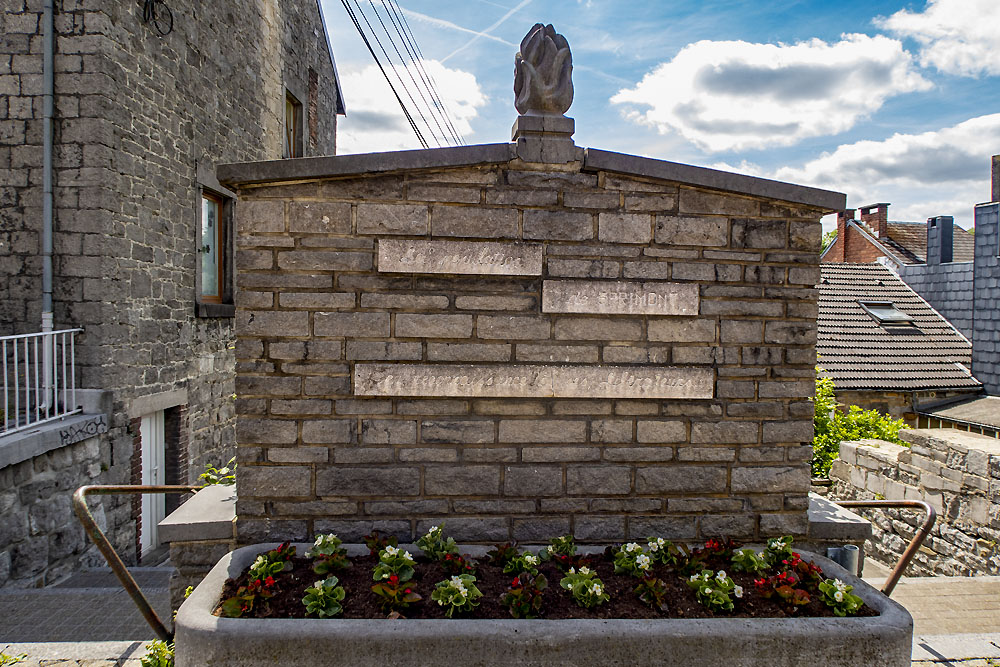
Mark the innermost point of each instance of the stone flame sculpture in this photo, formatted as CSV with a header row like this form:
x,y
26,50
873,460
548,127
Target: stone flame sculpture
x,y
543,73
543,92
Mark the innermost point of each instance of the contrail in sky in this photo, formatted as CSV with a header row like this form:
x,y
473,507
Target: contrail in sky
x,y
486,33
441,23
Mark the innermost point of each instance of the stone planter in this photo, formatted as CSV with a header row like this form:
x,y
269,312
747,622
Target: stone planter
x,y
204,639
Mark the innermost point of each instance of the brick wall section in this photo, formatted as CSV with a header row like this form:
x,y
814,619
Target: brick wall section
x,y
958,473
135,113
315,458
946,287
986,327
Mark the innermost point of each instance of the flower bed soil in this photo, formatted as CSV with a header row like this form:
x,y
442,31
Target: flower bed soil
x,y
360,602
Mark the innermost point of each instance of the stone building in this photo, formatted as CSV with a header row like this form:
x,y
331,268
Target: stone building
x,y
142,108
526,339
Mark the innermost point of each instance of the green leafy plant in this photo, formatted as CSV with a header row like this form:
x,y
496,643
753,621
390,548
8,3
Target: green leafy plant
x,y
563,546
784,585
653,592
831,426
837,595
715,589
748,560
502,553
632,560
586,588
262,584
6,659
777,550
662,551
457,594
394,561
323,598
226,475
158,654
524,597
328,555
435,546
273,562
458,564
395,594
376,542
525,562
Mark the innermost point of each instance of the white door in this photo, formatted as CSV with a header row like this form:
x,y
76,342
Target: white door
x,y
153,506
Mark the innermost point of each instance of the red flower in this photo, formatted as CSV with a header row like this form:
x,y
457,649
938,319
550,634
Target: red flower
x,y
393,579
269,581
407,591
516,582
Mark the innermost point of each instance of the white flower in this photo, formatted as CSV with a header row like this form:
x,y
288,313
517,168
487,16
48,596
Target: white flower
x,y
318,542
407,556
642,562
721,576
631,546
695,577
708,591
738,591
432,530
550,550
258,563
840,585
391,551
838,596
318,584
596,589
584,570
572,570
531,560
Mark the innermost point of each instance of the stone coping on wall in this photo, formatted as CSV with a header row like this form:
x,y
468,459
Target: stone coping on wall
x,y
209,515
594,160
25,445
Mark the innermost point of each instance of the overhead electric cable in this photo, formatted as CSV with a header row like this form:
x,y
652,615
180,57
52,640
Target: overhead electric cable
x,y
409,118
429,85
409,73
416,46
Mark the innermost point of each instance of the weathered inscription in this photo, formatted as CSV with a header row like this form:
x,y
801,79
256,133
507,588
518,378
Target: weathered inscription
x,y
619,297
527,381
478,258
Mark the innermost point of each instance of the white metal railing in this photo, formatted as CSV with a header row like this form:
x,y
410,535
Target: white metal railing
x,y
39,378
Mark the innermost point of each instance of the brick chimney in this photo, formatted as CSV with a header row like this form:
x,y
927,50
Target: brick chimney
x,y
940,239
995,194
839,252
876,216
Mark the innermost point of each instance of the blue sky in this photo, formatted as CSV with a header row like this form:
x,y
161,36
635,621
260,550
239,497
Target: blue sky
x,y
885,101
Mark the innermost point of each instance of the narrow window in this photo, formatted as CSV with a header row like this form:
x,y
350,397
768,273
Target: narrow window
x,y
293,127
211,248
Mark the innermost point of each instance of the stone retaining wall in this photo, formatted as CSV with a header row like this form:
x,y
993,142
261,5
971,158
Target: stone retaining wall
x,y
958,473
483,344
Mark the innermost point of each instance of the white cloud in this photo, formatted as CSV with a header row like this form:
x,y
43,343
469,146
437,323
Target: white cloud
x,y
956,36
374,121
725,96
944,172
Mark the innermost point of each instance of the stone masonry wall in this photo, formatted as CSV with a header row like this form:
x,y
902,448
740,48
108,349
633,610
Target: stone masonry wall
x,y
317,307
897,404
947,288
958,473
139,117
986,328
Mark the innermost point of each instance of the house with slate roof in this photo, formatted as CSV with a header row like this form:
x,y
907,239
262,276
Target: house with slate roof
x,y
884,346
934,257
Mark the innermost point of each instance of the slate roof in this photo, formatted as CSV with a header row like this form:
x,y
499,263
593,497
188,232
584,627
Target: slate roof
x,y
861,354
909,240
979,410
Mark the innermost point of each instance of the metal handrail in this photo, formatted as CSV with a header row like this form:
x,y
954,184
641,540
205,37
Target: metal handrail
x,y
45,364
918,538
111,556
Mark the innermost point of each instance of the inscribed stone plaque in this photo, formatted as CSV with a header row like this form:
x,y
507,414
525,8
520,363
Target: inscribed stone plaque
x,y
619,297
530,381
469,257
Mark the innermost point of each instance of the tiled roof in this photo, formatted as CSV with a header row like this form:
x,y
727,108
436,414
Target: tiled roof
x,y
859,353
909,240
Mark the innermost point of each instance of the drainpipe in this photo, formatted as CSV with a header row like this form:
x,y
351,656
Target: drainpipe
x,y
48,75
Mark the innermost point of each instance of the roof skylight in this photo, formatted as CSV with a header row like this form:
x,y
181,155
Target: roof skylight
x,y
884,312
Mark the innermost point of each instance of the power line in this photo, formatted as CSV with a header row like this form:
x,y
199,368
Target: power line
x,y
409,118
402,84
409,73
408,40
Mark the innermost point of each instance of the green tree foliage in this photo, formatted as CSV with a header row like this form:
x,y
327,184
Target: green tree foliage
x,y
829,238
833,426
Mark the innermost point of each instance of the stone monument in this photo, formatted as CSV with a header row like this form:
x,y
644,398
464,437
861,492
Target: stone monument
x,y
543,93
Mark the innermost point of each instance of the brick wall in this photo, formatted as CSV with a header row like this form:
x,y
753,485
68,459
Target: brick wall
x,y
957,473
138,118
314,309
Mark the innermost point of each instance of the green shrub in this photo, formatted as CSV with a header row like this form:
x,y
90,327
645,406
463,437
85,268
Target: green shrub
x,y
833,426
